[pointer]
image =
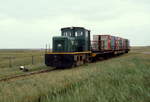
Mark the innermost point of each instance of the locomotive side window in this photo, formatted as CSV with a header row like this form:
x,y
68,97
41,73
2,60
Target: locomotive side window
x,y
86,34
69,33
81,34
64,34
78,33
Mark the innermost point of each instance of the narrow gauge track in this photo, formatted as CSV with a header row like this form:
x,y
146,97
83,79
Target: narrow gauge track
x,y
26,74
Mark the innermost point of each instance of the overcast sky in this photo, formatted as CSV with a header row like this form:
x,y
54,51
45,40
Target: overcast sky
x,y
33,23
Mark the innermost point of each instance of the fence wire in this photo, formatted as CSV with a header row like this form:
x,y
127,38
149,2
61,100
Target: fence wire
x,y
13,61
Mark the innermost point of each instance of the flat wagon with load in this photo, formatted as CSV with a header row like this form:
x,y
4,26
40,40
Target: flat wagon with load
x,y
74,47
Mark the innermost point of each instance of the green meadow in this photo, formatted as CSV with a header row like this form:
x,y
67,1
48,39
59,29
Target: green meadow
x,y
125,78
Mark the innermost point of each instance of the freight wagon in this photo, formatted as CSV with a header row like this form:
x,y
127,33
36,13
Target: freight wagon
x,y
74,47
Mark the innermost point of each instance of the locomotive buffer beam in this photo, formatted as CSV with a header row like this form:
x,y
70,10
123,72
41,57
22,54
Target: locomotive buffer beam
x,y
67,60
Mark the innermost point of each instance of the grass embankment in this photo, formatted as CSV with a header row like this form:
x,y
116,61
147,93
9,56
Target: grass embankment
x,y
122,79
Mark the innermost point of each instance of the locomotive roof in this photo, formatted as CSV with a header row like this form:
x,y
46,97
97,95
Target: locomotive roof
x,y
73,28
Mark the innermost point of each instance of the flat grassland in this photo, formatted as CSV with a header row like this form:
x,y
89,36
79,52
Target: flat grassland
x,y
10,60
124,78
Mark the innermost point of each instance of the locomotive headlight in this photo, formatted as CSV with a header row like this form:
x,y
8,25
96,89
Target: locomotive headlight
x,y
59,45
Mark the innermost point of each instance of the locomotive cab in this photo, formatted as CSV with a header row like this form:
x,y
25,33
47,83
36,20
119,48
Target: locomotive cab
x,y
81,35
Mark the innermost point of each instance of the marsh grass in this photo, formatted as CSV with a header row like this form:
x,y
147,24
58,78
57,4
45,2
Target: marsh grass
x,y
20,57
121,79
124,79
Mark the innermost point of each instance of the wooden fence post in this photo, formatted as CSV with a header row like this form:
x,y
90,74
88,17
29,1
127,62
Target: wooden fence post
x,y
10,62
32,60
46,49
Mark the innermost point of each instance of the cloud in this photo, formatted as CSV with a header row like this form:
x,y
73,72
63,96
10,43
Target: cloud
x,y
32,23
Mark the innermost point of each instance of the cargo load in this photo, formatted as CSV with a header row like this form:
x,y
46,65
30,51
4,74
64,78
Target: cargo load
x,y
103,42
109,43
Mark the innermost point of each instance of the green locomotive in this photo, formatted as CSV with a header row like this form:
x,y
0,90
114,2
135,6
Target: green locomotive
x,y
72,48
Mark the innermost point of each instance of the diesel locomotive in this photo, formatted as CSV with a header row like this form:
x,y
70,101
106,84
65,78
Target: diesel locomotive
x,y
74,47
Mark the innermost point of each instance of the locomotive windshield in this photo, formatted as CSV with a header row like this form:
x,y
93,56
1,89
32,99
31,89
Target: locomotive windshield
x,y
79,33
73,31
67,33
